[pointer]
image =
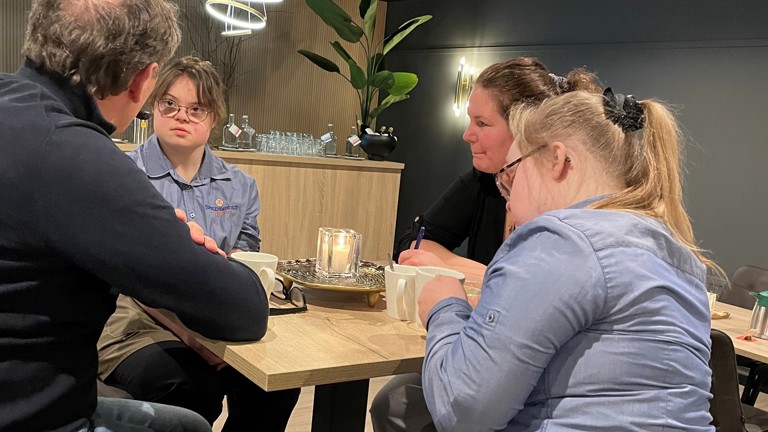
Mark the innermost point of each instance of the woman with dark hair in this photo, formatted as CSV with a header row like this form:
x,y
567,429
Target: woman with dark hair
x,y
471,208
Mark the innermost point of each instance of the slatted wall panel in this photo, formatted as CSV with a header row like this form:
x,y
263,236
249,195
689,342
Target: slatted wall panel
x,y
13,18
278,88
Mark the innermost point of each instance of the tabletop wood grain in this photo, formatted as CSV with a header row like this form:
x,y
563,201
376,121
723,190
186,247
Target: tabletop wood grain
x,y
737,325
339,339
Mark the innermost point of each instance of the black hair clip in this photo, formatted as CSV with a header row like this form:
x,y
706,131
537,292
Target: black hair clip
x,y
144,115
624,111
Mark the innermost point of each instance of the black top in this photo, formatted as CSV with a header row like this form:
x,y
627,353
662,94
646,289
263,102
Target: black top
x,y
471,207
77,217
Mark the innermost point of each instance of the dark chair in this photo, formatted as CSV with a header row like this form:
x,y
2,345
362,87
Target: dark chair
x,y
728,413
753,375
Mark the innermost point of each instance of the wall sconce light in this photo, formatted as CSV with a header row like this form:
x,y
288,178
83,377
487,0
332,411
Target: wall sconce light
x,y
464,82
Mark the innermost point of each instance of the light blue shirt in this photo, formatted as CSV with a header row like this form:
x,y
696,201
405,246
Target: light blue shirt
x,y
589,320
220,198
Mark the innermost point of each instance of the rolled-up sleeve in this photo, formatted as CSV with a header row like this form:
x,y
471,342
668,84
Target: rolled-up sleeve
x,y
543,287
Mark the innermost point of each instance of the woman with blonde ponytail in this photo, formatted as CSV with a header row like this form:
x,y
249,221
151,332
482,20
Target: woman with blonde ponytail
x,y
594,313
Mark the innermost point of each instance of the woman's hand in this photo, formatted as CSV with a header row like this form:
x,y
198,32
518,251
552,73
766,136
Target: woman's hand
x,y
439,288
420,258
198,235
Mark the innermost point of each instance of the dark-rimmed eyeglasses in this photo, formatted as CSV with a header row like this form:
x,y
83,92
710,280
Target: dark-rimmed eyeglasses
x,y
169,108
506,175
293,295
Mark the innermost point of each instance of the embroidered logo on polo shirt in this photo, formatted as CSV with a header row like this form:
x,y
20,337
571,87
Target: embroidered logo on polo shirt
x,y
219,209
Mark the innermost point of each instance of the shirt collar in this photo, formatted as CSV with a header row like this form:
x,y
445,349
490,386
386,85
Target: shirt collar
x,y
158,165
74,97
588,202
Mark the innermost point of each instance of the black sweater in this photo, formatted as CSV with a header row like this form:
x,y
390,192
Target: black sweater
x,y
76,217
471,208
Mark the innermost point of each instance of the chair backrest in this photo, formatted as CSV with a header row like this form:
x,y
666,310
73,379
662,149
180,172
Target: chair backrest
x,y
725,406
751,277
745,279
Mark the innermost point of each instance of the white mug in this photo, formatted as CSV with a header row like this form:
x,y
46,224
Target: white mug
x,y
424,275
263,264
397,282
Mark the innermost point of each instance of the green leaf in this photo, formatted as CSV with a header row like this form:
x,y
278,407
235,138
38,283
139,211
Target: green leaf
x,y
364,5
389,100
340,49
356,75
403,31
383,80
337,19
404,82
370,18
375,60
320,61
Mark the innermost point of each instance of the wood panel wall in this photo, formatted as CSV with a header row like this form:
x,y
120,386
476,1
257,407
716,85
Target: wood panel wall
x,y
13,19
278,89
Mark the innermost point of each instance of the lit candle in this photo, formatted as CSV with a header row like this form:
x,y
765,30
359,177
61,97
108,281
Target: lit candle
x,y
340,255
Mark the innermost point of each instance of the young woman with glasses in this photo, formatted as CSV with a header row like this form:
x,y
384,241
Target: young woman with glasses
x,y
471,208
594,314
140,351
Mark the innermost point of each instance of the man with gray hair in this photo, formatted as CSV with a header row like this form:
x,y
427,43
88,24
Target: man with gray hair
x,y
79,222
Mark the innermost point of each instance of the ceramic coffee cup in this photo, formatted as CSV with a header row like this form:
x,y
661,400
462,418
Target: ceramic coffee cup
x,y
398,282
424,275
263,264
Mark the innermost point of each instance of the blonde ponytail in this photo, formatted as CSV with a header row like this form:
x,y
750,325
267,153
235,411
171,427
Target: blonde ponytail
x,y
638,143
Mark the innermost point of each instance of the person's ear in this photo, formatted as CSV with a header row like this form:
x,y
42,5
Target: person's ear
x,y
143,83
561,161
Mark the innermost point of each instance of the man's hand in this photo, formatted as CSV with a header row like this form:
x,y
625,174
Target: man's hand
x,y
198,235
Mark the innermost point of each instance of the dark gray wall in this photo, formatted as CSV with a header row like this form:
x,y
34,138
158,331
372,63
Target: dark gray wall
x,y
707,58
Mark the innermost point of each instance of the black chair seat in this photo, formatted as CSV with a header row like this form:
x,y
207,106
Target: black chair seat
x,y
755,419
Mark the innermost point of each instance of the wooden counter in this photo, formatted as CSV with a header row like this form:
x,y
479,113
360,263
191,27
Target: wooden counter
x,y
300,194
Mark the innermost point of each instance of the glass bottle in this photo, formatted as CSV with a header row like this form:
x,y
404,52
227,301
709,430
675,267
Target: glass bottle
x,y
329,139
230,133
352,148
245,139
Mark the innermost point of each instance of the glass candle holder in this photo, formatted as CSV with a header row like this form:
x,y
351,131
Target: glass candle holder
x,y
338,252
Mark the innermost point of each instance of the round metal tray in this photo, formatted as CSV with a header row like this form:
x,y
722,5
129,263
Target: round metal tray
x,y
369,280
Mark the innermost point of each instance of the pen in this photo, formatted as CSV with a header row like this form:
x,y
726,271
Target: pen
x,y
419,236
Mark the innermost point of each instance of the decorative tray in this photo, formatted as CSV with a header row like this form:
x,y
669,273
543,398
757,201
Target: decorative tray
x,y
370,276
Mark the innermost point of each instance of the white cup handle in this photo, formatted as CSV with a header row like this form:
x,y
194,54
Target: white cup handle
x,y
400,301
268,281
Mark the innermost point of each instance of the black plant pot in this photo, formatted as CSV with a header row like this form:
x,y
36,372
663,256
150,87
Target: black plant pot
x,y
377,146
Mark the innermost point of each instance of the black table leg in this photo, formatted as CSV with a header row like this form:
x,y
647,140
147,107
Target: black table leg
x,y
340,407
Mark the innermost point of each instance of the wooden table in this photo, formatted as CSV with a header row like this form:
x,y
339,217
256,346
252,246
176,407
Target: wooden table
x,y
737,325
337,346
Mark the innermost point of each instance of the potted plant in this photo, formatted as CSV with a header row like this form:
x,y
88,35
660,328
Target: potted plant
x,y
373,78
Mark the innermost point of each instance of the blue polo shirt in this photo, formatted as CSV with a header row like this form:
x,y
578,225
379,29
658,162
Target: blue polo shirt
x,y
220,198
590,319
